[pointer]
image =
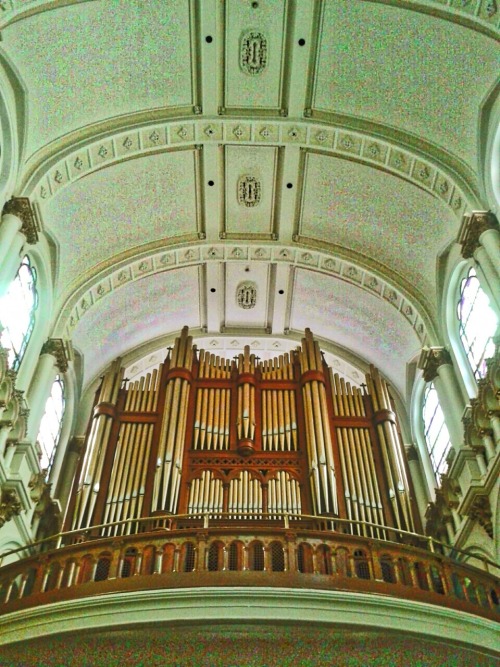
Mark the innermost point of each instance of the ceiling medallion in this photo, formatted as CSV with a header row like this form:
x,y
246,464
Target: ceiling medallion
x,y
253,52
249,191
246,295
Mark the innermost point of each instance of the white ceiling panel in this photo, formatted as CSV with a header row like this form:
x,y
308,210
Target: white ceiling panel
x,y
356,320
140,311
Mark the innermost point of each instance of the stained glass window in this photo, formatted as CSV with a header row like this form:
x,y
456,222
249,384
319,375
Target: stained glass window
x,y
436,433
17,313
50,426
478,323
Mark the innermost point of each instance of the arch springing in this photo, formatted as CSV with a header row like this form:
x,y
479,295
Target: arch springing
x,y
17,312
477,323
437,437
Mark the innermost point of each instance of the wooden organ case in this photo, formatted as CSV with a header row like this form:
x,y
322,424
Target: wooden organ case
x,y
242,439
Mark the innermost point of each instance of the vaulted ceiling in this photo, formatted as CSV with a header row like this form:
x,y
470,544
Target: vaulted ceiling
x,y
322,151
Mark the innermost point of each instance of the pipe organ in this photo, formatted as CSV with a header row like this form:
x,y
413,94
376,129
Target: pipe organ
x,y
242,438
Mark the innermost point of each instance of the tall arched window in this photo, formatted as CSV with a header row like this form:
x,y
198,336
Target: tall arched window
x,y
436,433
478,323
17,313
50,426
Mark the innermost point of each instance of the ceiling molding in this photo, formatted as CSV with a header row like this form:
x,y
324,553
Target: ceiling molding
x,y
475,15
45,180
122,272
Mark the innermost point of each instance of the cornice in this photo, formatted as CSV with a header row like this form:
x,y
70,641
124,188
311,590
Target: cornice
x,y
478,15
85,151
121,270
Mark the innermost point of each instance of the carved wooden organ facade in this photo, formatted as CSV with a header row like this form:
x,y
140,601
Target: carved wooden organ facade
x,y
259,438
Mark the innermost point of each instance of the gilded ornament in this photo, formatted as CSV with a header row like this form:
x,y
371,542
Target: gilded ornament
x,y
58,177
78,163
154,137
127,143
103,151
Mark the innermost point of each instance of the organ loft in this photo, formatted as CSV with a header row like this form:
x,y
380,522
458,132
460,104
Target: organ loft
x,y
243,439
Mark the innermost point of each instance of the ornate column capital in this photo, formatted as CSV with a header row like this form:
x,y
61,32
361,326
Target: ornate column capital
x,y
21,208
10,505
59,349
480,511
472,227
76,444
431,358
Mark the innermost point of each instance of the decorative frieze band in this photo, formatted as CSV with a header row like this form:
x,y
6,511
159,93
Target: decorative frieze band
x,y
48,179
22,209
472,227
82,300
431,358
59,349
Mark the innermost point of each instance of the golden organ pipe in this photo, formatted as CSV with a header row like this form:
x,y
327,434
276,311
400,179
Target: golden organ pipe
x,y
210,424
356,476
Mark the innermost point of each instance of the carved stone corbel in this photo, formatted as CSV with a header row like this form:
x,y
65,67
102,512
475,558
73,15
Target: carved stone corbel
x,y
431,358
472,227
480,511
22,209
10,506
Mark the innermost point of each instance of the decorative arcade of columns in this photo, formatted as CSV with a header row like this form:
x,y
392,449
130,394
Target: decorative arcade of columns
x,y
244,437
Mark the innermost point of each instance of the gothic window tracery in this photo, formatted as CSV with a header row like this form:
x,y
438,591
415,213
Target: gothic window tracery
x,y
51,424
17,312
437,437
477,323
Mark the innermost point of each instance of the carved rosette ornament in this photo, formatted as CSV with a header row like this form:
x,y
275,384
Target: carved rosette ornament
x,y
246,295
431,358
58,349
10,506
473,226
481,512
253,52
21,208
249,191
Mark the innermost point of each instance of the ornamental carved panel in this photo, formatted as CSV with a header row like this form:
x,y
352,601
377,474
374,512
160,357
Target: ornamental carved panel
x,y
246,295
253,52
249,191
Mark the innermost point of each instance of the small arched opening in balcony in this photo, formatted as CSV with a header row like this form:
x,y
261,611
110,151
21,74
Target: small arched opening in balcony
x,y
256,557
85,572
305,558
404,572
4,587
102,567
361,566
324,559
235,556
29,582
15,588
342,562
387,568
129,562
422,580
52,577
168,558
494,599
437,580
481,596
187,557
277,557
69,568
148,560
215,559
470,591
458,589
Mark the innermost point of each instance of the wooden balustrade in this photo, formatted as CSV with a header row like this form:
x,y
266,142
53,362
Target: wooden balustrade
x,y
161,557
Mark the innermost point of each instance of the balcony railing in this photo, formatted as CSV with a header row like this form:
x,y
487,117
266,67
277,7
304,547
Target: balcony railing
x,y
219,549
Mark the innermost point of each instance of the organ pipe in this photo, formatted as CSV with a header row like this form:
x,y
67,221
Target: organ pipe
x,y
206,434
